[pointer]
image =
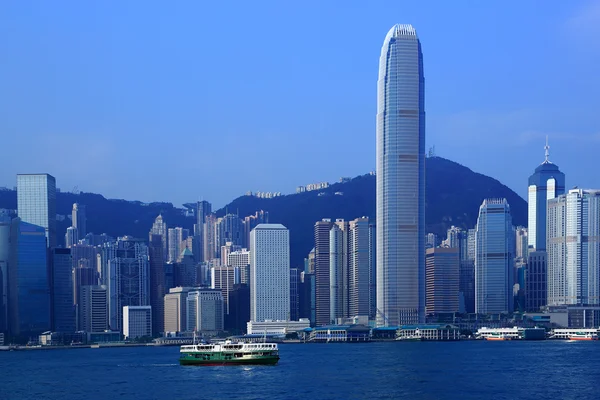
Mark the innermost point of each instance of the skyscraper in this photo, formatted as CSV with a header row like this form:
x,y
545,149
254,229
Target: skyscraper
x,y
359,268
79,219
460,240
93,309
28,283
5,223
269,273
401,179
159,227
338,270
442,271
128,283
36,202
574,248
494,254
71,237
63,309
158,288
322,272
547,182
205,311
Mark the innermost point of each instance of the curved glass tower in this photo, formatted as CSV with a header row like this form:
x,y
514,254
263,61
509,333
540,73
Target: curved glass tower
x,y
401,180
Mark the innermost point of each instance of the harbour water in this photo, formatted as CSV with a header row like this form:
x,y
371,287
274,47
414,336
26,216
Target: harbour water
x,y
413,370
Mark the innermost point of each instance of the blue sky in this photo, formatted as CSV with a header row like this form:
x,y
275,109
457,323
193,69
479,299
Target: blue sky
x,y
176,101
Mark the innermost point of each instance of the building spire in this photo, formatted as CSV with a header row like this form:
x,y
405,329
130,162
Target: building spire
x,y
547,151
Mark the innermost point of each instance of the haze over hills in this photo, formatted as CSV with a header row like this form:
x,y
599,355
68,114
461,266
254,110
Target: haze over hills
x,y
453,196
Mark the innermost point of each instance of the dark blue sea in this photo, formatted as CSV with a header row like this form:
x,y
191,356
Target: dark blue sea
x,y
430,370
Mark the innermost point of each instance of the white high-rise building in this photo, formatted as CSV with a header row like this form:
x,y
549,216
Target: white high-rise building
x,y
79,220
400,179
574,248
175,313
269,273
338,270
137,321
494,255
71,237
359,275
159,227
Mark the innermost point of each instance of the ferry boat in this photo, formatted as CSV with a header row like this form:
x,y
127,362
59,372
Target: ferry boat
x,y
583,336
229,353
497,336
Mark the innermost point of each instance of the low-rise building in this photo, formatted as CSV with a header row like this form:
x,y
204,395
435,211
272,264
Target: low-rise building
x,y
137,322
441,332
282,328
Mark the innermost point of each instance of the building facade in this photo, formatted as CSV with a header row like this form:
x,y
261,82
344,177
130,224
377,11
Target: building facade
x,y
205,311
175,310
574,248
158,288
442,280
137,322
63,309
400,204
269,273
29,302
322,266
93,309
128,278
36,202
494,254
79,220
547,182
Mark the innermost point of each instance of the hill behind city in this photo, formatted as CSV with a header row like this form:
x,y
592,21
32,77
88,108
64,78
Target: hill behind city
x,y
453,196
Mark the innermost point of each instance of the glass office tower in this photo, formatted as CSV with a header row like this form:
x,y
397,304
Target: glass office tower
x,y
36,202
401,180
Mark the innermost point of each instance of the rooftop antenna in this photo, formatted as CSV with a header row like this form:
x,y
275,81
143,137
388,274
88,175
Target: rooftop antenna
x,y
547,150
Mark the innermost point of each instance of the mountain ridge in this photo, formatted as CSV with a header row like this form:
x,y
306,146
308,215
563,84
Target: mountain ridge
x,y
453,196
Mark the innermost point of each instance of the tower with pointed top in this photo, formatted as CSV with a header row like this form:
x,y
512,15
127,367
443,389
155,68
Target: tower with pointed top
x,y
547,182
400,203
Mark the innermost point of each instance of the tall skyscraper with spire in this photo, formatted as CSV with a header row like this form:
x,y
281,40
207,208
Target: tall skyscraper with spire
x,y
547,182
401,179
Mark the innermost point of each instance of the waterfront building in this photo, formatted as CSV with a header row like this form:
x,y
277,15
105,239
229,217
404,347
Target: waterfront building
x,y
28,281
546,183
5,224
338,270
294,294
158,287
159,227
322,271
175,310
277,328
426,332
308,305
128,277
536,281
573,248
494,254
93,308
442,280
36,202
239,309
241,260
359,268
63,309
458,238
400,205
205,311
79,220
71,237
137,322
269,272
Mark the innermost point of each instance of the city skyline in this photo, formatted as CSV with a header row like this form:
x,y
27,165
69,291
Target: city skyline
x,y
500,103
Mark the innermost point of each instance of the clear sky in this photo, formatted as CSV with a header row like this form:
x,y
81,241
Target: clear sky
x,y
177,101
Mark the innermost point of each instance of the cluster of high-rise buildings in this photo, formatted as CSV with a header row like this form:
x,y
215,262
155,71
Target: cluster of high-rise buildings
x,y
233,274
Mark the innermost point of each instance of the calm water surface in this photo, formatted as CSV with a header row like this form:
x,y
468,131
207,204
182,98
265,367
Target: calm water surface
x,y
462,370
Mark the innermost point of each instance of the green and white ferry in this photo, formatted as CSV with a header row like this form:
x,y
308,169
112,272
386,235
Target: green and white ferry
x,y
229,353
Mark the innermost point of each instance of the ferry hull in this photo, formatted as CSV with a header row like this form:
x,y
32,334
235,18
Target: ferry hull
x,y
256,361
582,338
